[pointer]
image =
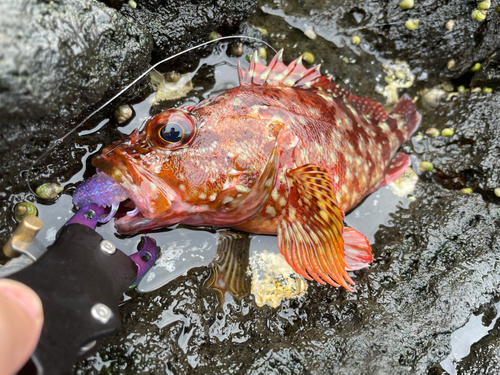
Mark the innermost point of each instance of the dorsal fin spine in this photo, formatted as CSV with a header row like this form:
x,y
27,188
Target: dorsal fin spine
x,y
241,72
277,73
251,68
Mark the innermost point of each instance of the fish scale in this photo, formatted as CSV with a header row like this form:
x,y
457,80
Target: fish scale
x,y
336,148
287,152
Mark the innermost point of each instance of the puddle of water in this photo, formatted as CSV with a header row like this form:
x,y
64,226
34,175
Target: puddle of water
x,y
462,340
304,24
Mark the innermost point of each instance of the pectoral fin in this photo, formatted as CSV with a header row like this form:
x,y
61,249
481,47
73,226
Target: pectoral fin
x,y
310,236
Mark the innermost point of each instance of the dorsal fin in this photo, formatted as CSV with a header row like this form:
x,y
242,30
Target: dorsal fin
x,y
368,107
297,75
278,74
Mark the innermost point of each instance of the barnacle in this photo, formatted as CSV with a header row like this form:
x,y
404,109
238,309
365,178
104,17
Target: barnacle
x,y
123,113
310,33
432,97
398,75
404,184
166,90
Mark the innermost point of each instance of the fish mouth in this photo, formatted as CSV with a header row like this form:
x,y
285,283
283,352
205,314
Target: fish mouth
x,y
151,199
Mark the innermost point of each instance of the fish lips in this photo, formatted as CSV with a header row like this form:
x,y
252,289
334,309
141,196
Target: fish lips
x,y
151,200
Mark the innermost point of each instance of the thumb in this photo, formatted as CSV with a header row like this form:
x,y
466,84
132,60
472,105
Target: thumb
x,y
21,320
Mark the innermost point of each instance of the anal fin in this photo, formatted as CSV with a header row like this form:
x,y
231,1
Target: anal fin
x,y
357,249
310,233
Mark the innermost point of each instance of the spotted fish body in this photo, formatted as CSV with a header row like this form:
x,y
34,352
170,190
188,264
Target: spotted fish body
x,y
287,152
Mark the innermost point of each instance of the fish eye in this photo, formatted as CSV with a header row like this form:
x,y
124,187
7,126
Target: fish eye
x,y
175,130
172,132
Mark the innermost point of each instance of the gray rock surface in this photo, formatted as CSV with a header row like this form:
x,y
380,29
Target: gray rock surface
x,y
469,158
169,22
57,55
71,55
484,357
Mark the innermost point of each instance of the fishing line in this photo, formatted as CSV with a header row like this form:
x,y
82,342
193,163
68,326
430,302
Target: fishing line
x,y
56,142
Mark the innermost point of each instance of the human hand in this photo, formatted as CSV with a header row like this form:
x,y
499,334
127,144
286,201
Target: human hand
x,y
21,320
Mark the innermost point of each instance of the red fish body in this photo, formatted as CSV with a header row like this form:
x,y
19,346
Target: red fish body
x,y
287,152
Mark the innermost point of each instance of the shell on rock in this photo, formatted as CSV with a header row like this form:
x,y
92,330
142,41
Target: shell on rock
x,y
50,190
23,210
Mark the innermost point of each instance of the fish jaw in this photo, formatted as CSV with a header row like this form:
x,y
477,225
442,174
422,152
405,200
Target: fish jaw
x,y
151,197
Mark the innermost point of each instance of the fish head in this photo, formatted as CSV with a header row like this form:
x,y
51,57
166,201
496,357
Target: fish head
x,y
205,165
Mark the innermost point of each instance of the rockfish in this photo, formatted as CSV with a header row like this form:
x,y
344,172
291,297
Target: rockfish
x,y
287,152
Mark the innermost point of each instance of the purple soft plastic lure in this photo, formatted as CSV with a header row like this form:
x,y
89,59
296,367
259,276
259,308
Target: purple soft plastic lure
x,y
102,190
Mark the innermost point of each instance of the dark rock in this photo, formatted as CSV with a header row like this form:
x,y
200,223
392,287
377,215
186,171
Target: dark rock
x,y
67,56
469,158
435,266
484,357
176,25
431,45
382,24
63,56
489,73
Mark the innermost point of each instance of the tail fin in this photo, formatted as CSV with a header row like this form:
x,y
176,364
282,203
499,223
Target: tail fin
x,y
404,118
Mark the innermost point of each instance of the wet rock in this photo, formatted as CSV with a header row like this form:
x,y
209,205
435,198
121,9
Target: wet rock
x,y
431,46
470,157
70,55
484,357
489,74
433,268
63,56
382,24
176,25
